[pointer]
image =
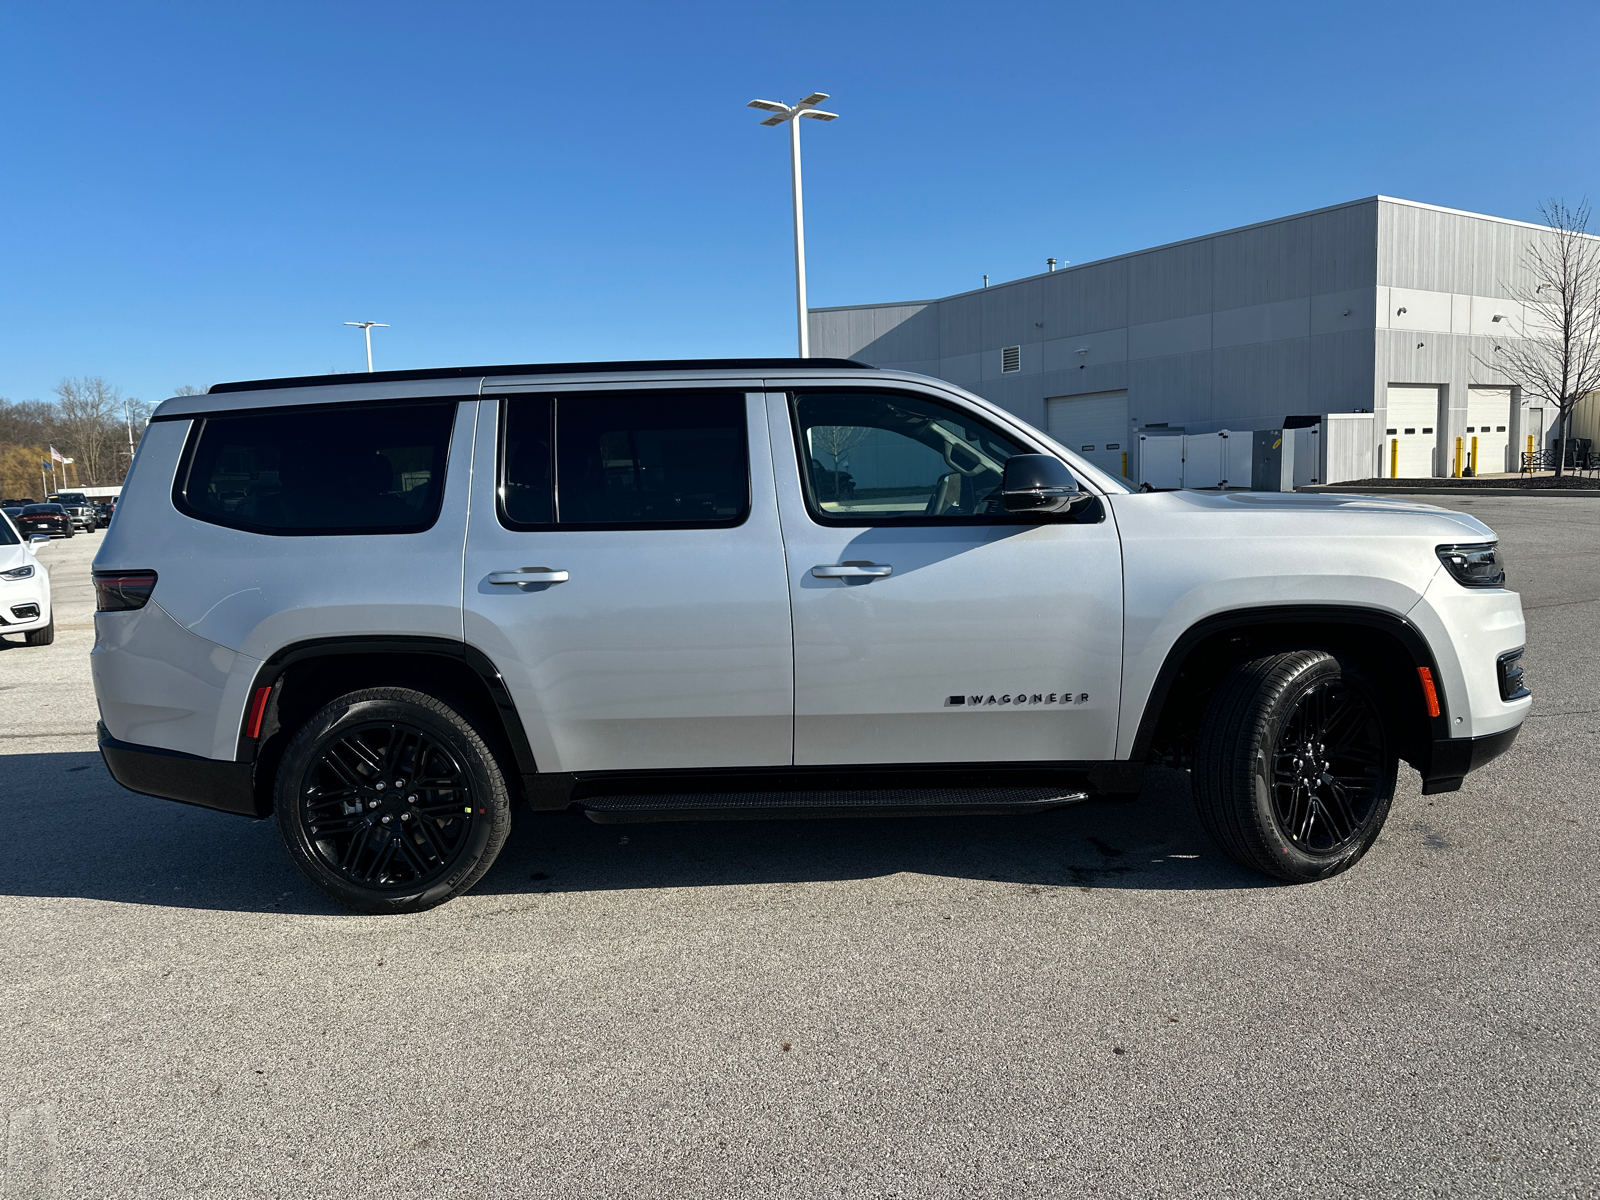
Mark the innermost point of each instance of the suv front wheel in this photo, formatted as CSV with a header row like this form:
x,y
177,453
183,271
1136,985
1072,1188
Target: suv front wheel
x,y
390,801
1294,767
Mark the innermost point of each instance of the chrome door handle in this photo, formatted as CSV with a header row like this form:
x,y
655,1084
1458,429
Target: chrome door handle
x,y
529,575
853,570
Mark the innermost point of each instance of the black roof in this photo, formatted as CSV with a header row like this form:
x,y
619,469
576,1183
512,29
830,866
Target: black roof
x,y
663,364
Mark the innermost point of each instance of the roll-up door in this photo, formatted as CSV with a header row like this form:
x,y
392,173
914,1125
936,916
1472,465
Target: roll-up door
x,y
1094,425
1412,420
1489,420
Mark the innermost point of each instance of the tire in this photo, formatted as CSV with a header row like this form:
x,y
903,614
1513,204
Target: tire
x,y
1294,768
42,637
369,844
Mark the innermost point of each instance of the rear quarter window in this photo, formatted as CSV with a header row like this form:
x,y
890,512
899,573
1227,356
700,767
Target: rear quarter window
x,y
341,469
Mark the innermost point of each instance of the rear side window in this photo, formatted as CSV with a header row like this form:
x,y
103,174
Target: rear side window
x,y
349,468
627,460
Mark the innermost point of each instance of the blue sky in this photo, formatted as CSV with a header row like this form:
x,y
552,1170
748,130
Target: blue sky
x,y
200,192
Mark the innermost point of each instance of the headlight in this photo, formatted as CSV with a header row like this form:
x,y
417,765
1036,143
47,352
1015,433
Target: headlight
x,y
1477,565
18,573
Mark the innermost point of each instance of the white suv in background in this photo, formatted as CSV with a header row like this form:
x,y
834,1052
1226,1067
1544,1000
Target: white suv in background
x,y
381,609
24,588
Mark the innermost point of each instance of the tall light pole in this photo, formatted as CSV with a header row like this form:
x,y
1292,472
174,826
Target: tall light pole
x,y
368,327
790,114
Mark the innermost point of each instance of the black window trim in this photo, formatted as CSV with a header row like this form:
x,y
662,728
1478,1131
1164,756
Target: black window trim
x,y
180,480
1088,515
559,526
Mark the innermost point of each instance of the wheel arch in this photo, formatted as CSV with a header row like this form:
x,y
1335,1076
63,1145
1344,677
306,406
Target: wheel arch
x,y
305,675
1385,647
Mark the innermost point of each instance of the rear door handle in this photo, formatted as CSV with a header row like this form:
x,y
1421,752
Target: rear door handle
x,y
853,570
529,575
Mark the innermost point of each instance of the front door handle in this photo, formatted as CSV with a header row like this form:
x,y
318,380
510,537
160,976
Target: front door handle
x,y
853,570
529,575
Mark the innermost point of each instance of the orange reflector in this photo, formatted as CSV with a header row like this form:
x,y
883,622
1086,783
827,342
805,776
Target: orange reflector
x,y
1430,694
258,709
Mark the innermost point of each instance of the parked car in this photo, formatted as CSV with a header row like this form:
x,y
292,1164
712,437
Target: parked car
x,y
50,519
80,508
380,609
103,510
24,589
12,510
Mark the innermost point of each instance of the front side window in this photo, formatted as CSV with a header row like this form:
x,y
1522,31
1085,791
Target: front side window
x,y
870,457
349,468
624,460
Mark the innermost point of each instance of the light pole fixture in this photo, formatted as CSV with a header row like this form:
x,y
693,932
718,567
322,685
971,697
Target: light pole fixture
x,y
790,114
367,327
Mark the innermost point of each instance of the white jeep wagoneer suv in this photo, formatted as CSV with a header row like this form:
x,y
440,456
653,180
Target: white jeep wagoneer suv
x,y
382,608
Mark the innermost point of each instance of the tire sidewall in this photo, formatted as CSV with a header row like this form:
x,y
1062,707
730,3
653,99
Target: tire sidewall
x,y
333,721
1295,861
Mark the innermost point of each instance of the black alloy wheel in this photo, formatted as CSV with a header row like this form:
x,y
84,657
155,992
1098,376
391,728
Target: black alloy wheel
x,y
1294,766
389,800
1327,770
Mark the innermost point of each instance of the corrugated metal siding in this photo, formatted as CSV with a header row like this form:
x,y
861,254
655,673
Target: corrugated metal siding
x,y
1174,281
1262,266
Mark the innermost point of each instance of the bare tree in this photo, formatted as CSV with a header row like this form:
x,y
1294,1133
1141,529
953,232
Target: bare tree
x,y
1556,358
188,389
90,412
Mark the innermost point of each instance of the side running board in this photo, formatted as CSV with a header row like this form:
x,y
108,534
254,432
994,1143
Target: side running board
x,y
790,806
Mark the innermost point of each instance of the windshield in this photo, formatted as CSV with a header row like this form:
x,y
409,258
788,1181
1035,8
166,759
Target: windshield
x,y
69,498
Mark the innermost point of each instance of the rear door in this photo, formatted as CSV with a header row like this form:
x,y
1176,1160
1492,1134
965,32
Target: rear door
x,y
929,625
625,572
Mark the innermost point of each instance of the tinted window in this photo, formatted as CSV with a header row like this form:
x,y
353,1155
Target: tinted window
x,y
34,510
627,460
8,535
873,456
350,468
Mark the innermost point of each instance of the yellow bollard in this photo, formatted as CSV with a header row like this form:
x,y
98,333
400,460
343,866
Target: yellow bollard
x,y
1124,464
1458,458
1474,457
1394,458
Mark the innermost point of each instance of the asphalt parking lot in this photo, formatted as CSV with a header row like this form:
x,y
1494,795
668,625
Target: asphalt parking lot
x,y
1087,1003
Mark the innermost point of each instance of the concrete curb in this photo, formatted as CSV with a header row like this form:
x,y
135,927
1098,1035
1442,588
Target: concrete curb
x,y
1560,493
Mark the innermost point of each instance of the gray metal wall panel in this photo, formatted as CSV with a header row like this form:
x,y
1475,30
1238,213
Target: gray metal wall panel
x,y
1341,371
1262,265
1175,389
1262,383
1172,282
1085,299
1344,243
961,324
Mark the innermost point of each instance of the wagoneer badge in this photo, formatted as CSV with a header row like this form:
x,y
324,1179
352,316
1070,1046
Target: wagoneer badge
x,y
1024,698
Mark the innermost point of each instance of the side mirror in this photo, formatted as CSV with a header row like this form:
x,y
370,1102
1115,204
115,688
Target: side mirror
x,y
38,538
1039,483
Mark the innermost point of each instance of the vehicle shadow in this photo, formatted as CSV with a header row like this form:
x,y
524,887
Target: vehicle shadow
x,y
73,832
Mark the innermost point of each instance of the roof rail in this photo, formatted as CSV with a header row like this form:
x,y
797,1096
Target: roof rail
x,y
582,368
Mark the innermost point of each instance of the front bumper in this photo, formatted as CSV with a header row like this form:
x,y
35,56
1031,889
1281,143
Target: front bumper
x,y
172,775
1452,759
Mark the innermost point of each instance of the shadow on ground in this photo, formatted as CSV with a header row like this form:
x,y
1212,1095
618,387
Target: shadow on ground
x,y
73,832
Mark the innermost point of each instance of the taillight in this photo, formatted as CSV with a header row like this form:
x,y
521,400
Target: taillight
x,y
116,591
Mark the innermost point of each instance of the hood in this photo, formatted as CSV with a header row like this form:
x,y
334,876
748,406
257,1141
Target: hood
x,y
1379,514
14,556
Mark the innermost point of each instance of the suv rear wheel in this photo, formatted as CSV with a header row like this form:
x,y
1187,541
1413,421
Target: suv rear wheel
x,y
389,800
1294,770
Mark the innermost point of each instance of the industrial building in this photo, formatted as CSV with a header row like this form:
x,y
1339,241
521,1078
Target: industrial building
x,y
1381,309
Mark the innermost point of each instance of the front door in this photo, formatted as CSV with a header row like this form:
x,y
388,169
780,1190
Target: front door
x,y
929,625
624,570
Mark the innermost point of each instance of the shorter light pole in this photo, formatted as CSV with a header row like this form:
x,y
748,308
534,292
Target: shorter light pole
x,y
367,327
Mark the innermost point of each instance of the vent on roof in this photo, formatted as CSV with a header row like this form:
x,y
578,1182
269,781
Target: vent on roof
x,y
1011,358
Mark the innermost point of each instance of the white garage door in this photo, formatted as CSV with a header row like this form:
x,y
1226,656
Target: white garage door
x,y
1489,420
1413,416
1094,425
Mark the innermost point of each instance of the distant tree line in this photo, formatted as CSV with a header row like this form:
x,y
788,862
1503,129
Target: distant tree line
x,y
89,421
